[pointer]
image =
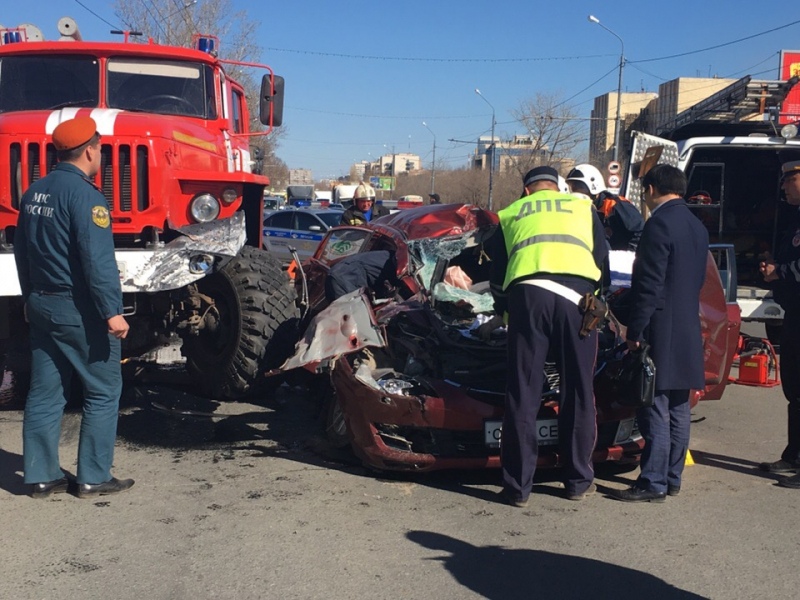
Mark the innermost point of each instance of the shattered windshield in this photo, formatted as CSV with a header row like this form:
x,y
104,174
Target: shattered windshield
x,y
162,86
447,281
48,82
431,251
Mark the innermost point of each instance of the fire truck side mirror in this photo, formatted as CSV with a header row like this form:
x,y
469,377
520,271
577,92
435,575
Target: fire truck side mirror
x,y
270,110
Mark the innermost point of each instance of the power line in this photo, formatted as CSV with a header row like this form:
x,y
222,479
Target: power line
x,y
522,59
586,88
749,37
326,112
96,15
437,60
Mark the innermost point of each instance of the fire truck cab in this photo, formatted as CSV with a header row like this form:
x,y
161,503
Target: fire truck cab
x,y
176,170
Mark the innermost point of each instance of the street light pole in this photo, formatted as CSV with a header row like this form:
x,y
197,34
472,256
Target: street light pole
x,y
618,126
433,162
491,165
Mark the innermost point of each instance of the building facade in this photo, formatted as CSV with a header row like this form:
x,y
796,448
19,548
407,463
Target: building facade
x,y
603,123
644,111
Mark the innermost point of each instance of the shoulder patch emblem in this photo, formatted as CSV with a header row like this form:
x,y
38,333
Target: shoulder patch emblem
x,y
100,216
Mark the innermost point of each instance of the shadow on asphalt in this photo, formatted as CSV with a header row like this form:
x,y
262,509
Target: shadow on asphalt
x,y
500,573
284,424
732,463
11,473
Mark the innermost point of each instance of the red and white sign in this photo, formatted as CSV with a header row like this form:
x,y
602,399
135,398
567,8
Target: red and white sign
x,y
790,67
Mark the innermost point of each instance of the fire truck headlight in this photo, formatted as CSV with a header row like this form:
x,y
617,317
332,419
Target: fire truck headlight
x,y
229,196
200,263
204,208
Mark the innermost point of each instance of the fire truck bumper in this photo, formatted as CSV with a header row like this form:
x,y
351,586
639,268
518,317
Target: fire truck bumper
x,y
199,251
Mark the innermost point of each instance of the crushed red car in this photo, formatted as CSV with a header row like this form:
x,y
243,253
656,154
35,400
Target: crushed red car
x,y
413,388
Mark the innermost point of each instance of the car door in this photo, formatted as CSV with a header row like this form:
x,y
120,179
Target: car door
x,y
309,231
278,229
721,339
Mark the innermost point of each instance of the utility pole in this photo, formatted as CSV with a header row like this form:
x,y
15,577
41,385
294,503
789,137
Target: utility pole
x,y
491,146
433,162
618,125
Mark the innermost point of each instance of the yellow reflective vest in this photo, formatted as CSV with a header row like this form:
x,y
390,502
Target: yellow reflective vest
x,y
549,232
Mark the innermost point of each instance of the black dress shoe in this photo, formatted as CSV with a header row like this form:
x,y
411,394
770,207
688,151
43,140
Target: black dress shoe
x,y
635,494
112,486
507,497
779,466
582,495
792,482
673,490
45,490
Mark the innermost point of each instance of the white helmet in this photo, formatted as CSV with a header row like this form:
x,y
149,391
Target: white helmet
x,y
563,187
364,190
589,176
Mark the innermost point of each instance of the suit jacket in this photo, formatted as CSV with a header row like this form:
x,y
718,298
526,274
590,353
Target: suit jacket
x,y
668,274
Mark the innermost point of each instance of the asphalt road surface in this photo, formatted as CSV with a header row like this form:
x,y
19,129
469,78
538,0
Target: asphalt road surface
x,y
248,503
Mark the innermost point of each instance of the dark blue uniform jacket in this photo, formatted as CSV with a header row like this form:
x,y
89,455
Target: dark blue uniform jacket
x,y
63,242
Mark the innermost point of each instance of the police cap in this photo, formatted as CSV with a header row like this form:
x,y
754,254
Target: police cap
x,y
74,133
790,168
540,174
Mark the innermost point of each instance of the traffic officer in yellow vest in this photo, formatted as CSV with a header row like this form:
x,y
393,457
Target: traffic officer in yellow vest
x,y
548,252
64,253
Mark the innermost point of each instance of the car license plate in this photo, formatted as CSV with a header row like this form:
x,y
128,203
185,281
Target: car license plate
x,y
546,432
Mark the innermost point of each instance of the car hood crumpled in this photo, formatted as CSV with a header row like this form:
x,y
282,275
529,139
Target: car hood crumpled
x,y
347,325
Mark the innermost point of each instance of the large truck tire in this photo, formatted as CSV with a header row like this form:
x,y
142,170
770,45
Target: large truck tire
x,y
257,319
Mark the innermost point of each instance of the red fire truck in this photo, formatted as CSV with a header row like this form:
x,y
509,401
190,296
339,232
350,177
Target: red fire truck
x,y
176,170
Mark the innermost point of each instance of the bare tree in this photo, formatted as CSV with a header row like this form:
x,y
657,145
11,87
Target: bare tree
x,y
175,22
554,127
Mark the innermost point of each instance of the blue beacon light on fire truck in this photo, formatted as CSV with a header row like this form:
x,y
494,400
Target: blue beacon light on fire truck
x,y
206,44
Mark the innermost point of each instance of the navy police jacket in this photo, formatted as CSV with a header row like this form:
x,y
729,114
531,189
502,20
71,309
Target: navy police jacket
x,y
63,242
786,289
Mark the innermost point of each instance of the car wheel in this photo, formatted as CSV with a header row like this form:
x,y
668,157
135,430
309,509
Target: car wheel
x,y
336,430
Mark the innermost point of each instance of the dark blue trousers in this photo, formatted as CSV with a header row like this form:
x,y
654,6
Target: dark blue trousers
x,y
665,429
540,320
64,342
790,380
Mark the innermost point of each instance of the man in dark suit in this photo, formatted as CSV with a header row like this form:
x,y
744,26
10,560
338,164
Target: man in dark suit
x,y
668,274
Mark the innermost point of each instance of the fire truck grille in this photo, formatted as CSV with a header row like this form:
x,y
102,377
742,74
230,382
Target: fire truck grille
x,y
129,190
123,176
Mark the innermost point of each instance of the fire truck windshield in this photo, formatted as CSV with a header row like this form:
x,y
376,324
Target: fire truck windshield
x,y
48,82
161,86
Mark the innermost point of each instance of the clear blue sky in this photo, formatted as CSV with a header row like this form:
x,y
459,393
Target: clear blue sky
x,y
360,81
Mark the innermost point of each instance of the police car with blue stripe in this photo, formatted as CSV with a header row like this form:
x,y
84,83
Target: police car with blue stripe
x,y
301,228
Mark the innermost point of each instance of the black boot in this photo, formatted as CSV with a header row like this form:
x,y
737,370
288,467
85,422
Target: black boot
x,y
792,452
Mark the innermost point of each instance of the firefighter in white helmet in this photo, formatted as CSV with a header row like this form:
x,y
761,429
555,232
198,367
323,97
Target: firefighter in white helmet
x,y
364,208
623,223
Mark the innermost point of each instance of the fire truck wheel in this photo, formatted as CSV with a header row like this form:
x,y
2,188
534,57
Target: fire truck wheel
x,y
254,328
